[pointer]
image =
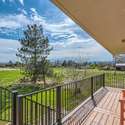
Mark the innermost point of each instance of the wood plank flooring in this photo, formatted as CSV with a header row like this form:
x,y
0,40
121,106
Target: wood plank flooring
x,y
107,112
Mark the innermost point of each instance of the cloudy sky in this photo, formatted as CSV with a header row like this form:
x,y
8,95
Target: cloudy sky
x,y
66,37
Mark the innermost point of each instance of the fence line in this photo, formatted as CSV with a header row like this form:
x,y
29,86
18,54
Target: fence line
x,y
115,79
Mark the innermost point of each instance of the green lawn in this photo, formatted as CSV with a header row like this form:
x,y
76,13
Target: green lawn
x,y
9,77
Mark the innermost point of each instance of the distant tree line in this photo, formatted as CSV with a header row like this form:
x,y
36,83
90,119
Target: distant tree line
x,y
10,64
69,63
91,65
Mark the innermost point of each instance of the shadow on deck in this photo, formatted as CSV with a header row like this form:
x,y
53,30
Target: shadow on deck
x,y
106,111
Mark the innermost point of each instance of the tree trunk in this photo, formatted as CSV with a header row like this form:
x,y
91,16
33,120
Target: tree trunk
x,y
34,79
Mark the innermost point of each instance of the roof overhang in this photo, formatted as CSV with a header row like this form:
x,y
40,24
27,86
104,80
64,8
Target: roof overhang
x,y
104,20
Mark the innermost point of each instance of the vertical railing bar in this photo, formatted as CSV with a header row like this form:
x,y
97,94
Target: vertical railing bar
x,y
39,109
14,107
65,100
5,105
45,107
19,110
0,103
36,106
25,111
92,88
58,99
104,80
42,113
53,105
49,122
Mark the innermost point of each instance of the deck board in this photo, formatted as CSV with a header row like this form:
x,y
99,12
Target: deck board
x,y
107,112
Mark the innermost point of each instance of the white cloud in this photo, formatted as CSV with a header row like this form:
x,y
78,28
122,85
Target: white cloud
x,y
22,2
23,11
86,48
52,27
33,10
8,49
14,21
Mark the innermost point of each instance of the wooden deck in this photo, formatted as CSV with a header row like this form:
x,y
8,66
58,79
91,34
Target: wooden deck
x,y
107,112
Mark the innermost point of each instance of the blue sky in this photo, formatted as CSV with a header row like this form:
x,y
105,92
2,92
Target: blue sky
x,y
66,37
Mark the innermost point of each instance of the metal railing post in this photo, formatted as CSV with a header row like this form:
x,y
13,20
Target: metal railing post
x,y
58,105
49,115
92,91
104,80
19,110
14,107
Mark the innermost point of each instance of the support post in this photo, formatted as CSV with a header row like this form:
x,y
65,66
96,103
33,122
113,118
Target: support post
x,y
19,110
14,107
58,105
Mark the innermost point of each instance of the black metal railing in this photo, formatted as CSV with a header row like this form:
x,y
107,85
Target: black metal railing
x,y
47,106
50,105
33,113
7,105
115,79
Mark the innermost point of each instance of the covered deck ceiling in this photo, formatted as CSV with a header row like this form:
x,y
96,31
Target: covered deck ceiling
x,y
104,20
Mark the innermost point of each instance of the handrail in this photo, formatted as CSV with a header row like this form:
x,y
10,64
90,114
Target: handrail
x,y
46,89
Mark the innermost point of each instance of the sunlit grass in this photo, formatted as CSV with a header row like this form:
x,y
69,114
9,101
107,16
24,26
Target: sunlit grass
x,y
9,77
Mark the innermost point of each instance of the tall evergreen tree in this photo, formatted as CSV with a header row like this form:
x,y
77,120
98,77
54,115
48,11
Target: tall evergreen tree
x,y
33,53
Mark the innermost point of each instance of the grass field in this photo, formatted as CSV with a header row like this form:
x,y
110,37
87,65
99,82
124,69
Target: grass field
x,y
9,77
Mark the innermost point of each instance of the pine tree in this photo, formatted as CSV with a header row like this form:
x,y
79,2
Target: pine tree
x,y
34,52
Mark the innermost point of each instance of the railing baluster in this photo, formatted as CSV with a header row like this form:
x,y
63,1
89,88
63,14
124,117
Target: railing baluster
x,y
58,105
14,107
20,110
48,113
36,111
92,88
104,80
